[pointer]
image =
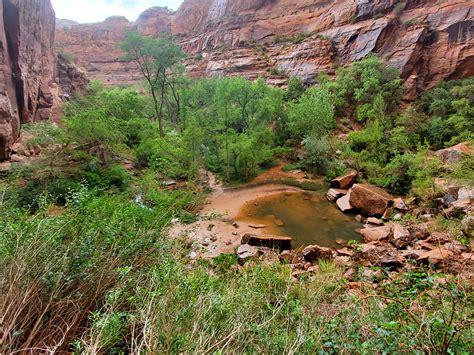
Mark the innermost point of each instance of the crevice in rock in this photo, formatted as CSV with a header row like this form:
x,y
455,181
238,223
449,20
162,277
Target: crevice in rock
x,y
11,20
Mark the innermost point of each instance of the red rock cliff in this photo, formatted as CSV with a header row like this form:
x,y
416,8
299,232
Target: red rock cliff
x,y
427,40
26,66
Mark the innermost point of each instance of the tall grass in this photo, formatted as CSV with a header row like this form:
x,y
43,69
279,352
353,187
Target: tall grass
x,y
102,276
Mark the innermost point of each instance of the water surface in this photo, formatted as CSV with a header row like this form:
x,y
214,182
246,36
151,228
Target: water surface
x,y
307,217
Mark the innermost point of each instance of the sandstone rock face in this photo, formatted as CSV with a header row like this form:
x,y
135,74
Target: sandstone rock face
x,y
95,47
427,40
27,66
70,78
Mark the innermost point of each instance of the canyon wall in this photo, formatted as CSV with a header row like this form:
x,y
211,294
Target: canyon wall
x,y
27,66
276,39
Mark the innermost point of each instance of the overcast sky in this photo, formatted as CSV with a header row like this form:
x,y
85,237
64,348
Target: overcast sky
x,y
85,11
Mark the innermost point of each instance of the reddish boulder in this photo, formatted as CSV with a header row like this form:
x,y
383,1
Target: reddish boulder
x,y
401,236
377,233
436,255
345,182
369,199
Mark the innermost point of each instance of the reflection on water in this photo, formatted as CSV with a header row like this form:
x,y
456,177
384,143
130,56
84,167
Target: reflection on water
x,y
307,217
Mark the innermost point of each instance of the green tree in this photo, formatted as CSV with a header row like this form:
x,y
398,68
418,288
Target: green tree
x,y
357,86
312,114
159,61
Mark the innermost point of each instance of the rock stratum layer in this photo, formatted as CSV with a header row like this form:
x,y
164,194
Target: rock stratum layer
x,y
27,66
276,39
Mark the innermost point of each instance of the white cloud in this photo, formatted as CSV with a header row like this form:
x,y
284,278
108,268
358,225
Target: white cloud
x,y
86,11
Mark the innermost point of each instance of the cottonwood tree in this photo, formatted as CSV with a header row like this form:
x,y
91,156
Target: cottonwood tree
x,y
159,61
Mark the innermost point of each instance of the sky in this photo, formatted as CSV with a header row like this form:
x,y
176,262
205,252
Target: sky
x,y
86,11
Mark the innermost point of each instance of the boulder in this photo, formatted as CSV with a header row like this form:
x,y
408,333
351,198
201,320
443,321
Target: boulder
x,y
369,199
456,247
436,255
345,182
401,236
391,261
411,253
269,241
377,234
315,252
459,207
334,194
344,204
438,238
455,153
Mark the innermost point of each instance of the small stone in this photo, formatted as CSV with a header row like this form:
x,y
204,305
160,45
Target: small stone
x,y
193,255
169,183
235,233
245,252
287,257
214,238
398,217
350,273
315,252
307,266
426,217
210,227
257,226
279,223
235,225
333,194
16,158
399,204
374,221
358,218
345,252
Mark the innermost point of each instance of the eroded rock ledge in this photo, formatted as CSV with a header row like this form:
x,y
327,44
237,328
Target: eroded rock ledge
x,y
427,40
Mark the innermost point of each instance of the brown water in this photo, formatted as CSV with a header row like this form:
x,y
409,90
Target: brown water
x,y
307,217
